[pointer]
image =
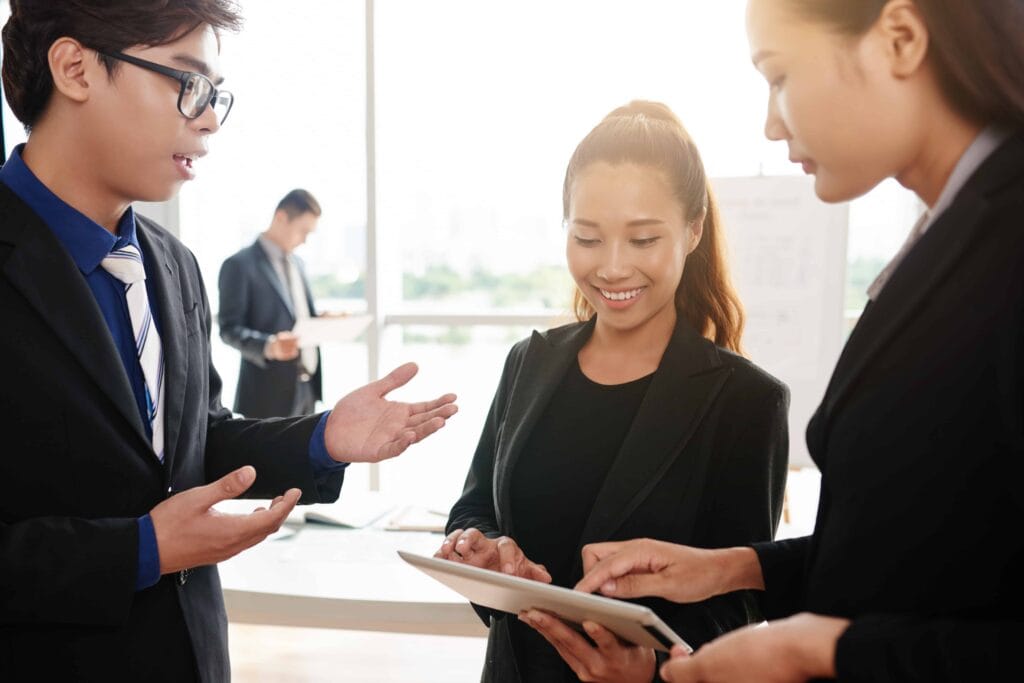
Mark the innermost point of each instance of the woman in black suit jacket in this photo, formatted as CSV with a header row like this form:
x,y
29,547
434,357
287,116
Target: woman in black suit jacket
x,y
913,572
632,421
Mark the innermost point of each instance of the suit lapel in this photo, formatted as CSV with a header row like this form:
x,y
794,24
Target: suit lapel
x,y
43,272
924,268
682,389
275,281
544,365
166,291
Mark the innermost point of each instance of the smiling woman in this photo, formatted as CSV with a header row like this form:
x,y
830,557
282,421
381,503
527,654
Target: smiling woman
x,y
623,424
641,158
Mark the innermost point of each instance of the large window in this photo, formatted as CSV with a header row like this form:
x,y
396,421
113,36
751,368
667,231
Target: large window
x,y
299,120
460,123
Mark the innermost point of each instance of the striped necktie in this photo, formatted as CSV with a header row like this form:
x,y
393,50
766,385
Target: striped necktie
x,y
126,265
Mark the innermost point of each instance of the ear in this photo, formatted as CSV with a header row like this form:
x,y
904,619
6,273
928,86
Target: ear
x,y
69,68
696,227
280,218
905,36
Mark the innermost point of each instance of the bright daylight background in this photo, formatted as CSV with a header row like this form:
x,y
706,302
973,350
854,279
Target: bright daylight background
x,y
478,108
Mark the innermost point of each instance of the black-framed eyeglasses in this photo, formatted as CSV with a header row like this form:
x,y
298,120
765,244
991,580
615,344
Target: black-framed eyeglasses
x,y
197,91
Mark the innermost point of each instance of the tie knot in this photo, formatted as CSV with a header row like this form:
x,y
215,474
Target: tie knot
x,y
125,264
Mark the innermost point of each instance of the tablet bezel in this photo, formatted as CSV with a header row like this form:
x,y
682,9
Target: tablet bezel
x,y
633,623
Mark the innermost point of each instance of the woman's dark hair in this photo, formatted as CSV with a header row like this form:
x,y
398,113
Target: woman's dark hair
x,y
649,134
298,202
977,47
102,25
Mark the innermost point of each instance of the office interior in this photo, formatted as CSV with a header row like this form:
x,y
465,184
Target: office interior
x,y
435,135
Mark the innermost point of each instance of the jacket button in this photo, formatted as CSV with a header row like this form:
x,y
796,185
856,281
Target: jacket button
x,y
183,576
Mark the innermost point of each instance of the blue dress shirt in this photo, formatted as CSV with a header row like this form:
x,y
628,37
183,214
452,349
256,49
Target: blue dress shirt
x,y
88,244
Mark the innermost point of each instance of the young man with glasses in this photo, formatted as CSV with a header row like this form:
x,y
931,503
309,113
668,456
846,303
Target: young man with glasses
x,y
115,442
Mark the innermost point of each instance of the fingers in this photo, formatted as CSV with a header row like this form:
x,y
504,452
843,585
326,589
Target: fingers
x,y
444,411
394,379
636,586
679,651
509,555
680,670
447,549
602,637
602,575
424,430
393,449
594,552
464,544
257,525
577,652
429,406
537,572
282,506
229,486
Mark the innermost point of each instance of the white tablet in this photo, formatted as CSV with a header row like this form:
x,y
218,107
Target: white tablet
x,y
634,623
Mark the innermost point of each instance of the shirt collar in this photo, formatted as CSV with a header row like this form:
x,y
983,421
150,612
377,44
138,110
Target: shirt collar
x,y
274,252
86,241
977,152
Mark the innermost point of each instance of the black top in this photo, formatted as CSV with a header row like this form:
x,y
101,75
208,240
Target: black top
x,y
703,463
556,481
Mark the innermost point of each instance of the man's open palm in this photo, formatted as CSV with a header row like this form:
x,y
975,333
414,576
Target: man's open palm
x,y
366,427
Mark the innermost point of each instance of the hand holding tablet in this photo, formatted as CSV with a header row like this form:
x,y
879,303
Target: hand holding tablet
x,y
633,623
502,554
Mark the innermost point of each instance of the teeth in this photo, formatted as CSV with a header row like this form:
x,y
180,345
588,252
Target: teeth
x,y
620,296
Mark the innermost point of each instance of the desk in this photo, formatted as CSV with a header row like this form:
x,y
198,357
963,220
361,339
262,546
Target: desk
x,y
328,577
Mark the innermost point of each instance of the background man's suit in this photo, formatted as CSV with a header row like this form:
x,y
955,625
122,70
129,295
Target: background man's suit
x,y
78,469
254,303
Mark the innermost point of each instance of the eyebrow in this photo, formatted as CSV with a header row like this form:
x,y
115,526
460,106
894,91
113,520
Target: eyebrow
x,y
761,55
198,65
638,223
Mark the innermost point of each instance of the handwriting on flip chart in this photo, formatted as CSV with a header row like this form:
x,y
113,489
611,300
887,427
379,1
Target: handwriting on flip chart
x,y
787,251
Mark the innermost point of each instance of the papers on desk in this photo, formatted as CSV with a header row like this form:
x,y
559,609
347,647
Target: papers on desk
x,y
316,331
352,510
417,518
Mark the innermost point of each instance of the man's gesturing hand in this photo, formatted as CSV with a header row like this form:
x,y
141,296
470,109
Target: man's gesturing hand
x,y
189,533
365,427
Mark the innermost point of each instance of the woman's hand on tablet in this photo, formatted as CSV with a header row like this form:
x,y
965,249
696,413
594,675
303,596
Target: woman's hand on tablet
x,y
610,660
500,554
633,569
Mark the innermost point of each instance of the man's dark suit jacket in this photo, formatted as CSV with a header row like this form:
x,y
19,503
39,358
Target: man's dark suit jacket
x,y
920,439
77,469
253,305
704,463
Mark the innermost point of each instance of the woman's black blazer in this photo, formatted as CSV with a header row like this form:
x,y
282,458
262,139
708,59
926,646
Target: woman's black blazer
x,y
919,538
704,463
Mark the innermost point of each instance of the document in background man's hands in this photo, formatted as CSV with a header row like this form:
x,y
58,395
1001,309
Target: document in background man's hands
x,y
316,331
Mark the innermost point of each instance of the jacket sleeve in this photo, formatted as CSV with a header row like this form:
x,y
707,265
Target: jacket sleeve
x,y
784,567
235,293
475,508
37,586
888,647
746,484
